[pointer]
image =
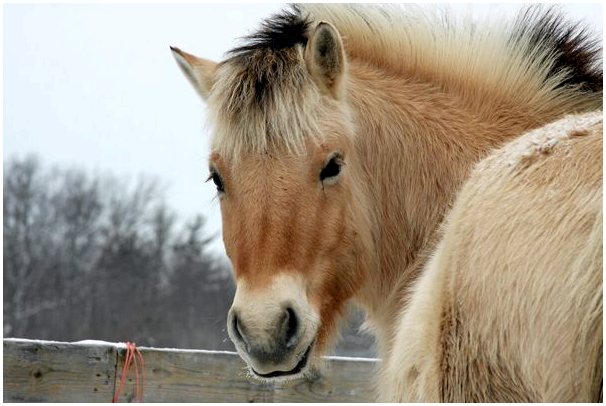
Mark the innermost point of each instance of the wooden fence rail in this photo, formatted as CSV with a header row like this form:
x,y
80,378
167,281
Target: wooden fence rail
x,y
88,371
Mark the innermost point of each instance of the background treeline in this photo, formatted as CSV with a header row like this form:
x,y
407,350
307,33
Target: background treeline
x,y
92,256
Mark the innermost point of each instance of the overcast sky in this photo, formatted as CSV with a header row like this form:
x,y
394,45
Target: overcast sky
x,y
96,86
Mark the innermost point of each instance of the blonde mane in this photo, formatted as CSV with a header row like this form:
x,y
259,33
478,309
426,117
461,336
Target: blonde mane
x,y
486,62
264,98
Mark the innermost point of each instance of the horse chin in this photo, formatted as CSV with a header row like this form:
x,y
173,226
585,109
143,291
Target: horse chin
x,y
304,369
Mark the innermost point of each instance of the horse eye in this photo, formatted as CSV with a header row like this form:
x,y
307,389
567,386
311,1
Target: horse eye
x,y
217,181
332,168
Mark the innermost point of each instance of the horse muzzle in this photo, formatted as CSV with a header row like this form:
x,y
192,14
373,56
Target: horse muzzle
x,y
274,331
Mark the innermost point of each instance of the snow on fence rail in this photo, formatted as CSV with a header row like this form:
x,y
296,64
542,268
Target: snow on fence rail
x,y
88,371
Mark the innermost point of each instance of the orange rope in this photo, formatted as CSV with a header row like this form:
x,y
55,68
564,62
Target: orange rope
x,y
132,354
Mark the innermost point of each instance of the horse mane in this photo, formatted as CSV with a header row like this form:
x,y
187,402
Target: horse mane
x,y
570,48
409,39
538,60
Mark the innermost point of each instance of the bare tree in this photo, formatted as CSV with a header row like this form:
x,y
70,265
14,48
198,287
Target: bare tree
x,y
92,256
26,220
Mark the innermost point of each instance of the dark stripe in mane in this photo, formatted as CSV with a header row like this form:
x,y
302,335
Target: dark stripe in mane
x,y
268,60
280,31
574,48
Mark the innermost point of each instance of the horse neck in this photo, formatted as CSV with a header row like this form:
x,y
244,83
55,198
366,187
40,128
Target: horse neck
x,y
418,144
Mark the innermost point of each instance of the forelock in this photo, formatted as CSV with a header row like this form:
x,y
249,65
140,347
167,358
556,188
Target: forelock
x,y
283,30
264,97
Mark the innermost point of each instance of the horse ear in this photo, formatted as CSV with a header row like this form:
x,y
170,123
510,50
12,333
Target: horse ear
x,y
200,72
325,59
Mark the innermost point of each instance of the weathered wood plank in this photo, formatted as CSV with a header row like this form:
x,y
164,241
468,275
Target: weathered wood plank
x,y
58,372
343,380
188,376
73,372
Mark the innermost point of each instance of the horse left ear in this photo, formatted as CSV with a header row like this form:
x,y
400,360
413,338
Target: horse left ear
x,y
325,59
200,72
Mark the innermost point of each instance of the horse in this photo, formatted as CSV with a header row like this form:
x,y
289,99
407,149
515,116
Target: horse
x,y
345,134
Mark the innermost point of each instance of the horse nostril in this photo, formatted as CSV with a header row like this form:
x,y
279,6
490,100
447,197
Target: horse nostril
x,y
292,325
237,329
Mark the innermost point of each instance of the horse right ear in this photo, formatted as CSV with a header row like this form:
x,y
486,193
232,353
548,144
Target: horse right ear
x,y
325,59
200,72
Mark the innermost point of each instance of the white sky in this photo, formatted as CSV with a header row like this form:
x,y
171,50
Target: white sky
x,y
96,86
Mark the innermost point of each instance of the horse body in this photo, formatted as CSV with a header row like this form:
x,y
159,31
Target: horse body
x,y
343,135
509,307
